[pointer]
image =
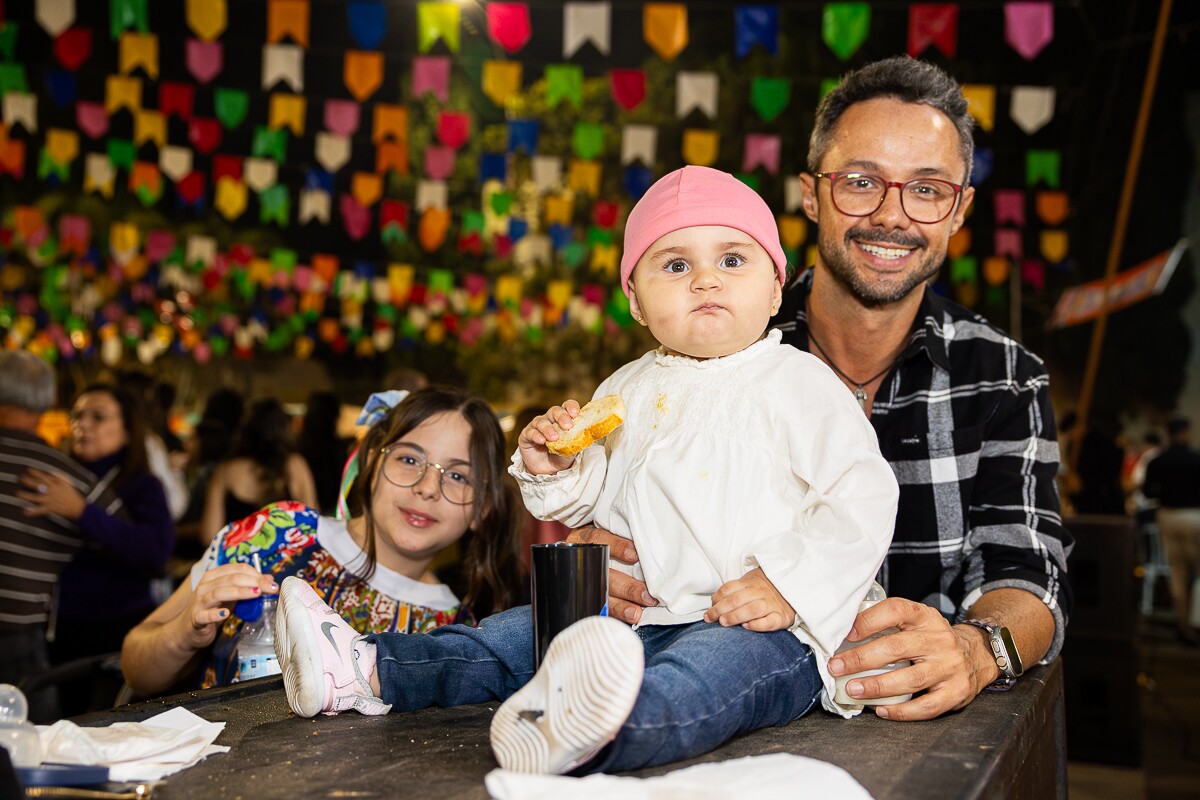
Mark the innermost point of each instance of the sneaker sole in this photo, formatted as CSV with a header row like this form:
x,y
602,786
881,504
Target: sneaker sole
x,y
586,689
298,650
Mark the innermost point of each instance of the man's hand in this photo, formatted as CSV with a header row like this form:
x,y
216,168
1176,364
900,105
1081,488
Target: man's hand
x,y
753,602
949,663
627,596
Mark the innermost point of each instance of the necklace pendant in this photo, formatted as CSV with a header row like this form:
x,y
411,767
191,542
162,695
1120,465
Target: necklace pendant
x,y
860,395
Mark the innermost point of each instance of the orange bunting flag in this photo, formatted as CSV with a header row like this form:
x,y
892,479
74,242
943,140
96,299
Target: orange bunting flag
x,y
363,73
435,224
287,18
149,126
62,145
701,148
391,122
392,156
367,188
584,176
558,209
792,230
1052,207
665,28
960,243
995,270
501,80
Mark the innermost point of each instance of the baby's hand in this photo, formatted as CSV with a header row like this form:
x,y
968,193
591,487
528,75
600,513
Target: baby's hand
x,y
753,602
532,443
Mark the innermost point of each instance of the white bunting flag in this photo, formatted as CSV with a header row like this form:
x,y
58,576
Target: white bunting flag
x,y
332,151
200,249
175,162
21,107
533,250
639,143
432,194
793,194
696,90
314,204
261,173
547,172
584,22
283,62
1032,107
55,16
99,174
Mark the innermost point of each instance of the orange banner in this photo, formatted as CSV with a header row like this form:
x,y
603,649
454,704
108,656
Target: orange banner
x,y
1085,302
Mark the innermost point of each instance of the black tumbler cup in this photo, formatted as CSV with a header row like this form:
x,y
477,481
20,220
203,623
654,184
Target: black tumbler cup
x,y
570,582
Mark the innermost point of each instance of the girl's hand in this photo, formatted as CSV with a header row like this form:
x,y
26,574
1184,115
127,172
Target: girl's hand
x,y
753,602
532,442
50,493
213,600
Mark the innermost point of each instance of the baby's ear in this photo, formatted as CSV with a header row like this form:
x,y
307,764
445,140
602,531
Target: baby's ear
x,y
635,310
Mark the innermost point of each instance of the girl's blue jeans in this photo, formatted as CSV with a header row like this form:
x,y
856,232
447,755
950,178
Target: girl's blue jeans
x,y
703,683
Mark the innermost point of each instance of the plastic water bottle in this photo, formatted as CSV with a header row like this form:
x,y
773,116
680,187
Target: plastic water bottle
x,y
874,595
256,645
17,734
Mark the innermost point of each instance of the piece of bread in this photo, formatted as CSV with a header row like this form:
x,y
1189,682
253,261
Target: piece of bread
x,y
596,420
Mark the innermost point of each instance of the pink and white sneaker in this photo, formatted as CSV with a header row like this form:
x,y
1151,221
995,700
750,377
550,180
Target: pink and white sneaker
x,y
326,664
577,701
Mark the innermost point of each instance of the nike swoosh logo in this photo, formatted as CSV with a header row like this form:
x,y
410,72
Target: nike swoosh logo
x,y
327,628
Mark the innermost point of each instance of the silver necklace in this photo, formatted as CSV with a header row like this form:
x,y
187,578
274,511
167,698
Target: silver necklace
x,y
860,392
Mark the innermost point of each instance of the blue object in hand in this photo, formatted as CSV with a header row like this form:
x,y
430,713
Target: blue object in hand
x,y
249,610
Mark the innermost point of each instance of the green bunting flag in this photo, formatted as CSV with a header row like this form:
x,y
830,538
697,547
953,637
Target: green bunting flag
x,y
564,82
587,140
844,27
770,96
269,144
125,14
275,205
1042,165
231,106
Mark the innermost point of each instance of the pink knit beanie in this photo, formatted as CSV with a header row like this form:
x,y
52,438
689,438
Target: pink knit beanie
x,y
698,196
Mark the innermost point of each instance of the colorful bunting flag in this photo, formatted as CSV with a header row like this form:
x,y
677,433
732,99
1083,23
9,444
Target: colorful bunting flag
x,y
368,22
696,90
55,16
1032,107
207,18
438,20
72,47
770,96
585,22
287,111
125,14
287,18
1043,166
205,60
564,82
844,27
665,28
933,24
431,74
756,24
1029,26
628,87
981,104
391,122
701,148
501,80
509,25
231,106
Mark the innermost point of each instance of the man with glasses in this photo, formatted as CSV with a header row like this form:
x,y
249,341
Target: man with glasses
x,y
962,411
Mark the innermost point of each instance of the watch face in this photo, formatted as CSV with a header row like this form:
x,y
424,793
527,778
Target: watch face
x,y
1013,655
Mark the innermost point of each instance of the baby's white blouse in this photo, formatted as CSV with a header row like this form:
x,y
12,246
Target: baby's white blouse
x,y
758,459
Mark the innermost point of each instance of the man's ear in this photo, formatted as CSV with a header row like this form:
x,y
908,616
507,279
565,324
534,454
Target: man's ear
x,y
808,197
960,214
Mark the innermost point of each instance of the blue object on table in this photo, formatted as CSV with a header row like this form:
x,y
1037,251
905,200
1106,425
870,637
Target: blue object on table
x,y
249,610
61,775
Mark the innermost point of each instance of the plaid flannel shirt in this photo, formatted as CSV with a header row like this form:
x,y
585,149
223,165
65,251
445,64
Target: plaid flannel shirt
x,y
964,418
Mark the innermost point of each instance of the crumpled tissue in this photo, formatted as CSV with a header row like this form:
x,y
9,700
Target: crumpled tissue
x,y
778,776
134,751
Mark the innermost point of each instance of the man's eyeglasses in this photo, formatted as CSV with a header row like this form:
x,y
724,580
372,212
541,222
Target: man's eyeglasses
x,y
860,194
405,465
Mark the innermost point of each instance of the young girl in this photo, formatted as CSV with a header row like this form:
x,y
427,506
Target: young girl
x,y
751,483
374,567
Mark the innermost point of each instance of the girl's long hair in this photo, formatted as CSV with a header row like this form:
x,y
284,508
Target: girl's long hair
x,y
135,460
491,575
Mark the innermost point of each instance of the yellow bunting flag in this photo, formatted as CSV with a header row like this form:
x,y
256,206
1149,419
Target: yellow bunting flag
x,y
62,145
792,230
606,259
287,111
960,243
995,270
584,176
363,73
435,224
123,237
391,122
259,271
558,293
287,18
1054,245
149,126
701,147
391,156
665,28
231,195
139,50
501,80
400,282
981,104
508,290
207,18
558,209
122,92
367,188
438,21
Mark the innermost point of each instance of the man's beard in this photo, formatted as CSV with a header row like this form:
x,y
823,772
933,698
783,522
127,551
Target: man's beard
x,y
841,267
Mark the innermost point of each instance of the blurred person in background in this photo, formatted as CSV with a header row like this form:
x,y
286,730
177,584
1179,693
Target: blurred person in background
x,y
322,448
106,589
1173,479
142,387
263,467
211,443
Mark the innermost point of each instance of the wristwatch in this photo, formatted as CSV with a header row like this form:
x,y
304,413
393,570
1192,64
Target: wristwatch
x,y
1004,650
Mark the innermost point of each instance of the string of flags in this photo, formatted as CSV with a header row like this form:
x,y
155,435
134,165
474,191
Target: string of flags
x,y
310,161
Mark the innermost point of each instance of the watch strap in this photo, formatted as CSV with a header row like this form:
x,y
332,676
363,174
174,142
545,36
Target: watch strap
x,y
1004,659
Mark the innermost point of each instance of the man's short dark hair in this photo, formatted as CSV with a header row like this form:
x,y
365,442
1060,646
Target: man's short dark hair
x,y
1178,425
901,78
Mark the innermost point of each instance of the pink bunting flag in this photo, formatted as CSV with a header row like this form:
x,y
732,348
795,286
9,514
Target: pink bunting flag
x,y
1008,243
508,25
355,218
342,116
1033,273
761,149
439,162
1028,26
1010,206
159,244
431,74
91,118
74,232
204,59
